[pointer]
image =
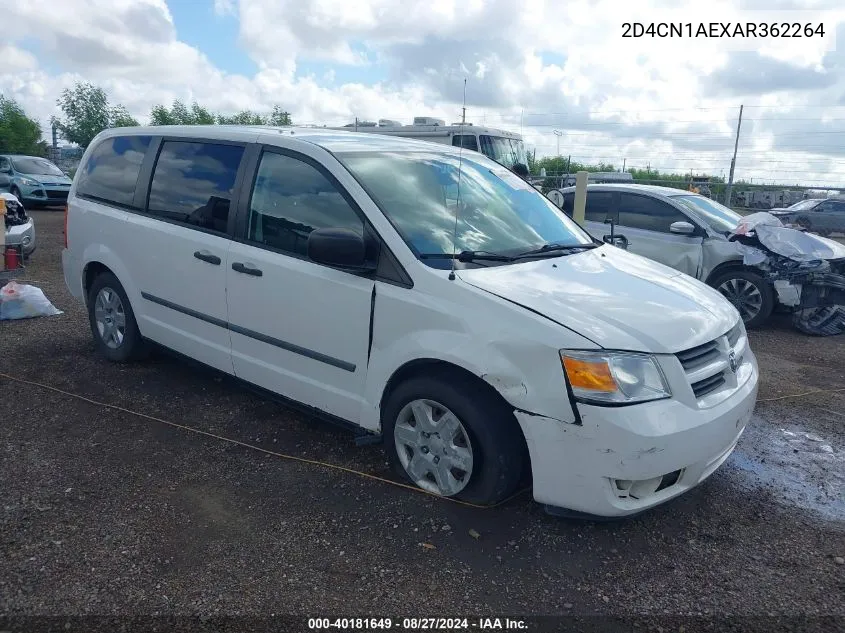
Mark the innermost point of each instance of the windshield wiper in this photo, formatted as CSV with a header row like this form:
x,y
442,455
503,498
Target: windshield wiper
x,y
469,256
554,249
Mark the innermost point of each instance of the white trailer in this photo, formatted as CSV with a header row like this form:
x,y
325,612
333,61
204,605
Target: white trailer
x,y
506,148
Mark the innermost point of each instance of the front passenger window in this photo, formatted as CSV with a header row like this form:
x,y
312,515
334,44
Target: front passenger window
x,y
647,214
292,198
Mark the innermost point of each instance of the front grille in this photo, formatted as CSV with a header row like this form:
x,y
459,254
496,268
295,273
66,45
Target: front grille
x,y
699,356
734,334
708,385
57,195
708,366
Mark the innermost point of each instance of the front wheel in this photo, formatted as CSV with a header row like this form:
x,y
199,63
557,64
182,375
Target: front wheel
x,y
749,293
448,436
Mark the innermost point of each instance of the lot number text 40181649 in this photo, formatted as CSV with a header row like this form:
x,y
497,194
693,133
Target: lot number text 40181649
x,y
416,624
723,29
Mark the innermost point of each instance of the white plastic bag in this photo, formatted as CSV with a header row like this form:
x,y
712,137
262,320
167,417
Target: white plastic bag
x,y
22,301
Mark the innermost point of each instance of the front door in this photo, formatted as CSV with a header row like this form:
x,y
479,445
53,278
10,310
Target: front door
x,y
645,221
298,328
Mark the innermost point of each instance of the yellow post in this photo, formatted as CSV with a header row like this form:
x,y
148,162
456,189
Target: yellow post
x,y
580,197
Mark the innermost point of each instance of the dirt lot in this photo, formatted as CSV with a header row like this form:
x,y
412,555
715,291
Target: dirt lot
x,y
105,512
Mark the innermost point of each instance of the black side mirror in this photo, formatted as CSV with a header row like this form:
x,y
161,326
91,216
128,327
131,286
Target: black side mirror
x,y
520,170
619,241
343,248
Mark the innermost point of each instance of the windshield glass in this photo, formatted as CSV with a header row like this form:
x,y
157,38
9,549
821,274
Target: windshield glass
x,y
507,151
718,216
37,166
803,205
498,211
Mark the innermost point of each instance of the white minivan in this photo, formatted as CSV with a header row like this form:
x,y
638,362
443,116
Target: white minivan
x,y
426,296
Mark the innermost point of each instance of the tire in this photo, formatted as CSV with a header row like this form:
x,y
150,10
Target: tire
x,y
735,286
825,321
487,429
107,300
804,223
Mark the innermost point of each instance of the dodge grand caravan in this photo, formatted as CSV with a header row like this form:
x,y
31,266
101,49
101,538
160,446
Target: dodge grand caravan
x,y
427,297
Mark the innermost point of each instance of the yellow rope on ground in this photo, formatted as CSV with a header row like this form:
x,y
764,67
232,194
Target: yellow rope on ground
x,y
800,395
222,438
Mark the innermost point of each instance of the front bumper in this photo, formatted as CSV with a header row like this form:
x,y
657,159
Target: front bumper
x,y
23,236
45,194
623,460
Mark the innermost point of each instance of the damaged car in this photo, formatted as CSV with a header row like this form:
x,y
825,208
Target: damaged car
x,y
756,261
19,227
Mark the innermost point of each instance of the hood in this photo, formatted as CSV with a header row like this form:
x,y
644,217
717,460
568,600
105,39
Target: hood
x,y
48,178
616,299
788,242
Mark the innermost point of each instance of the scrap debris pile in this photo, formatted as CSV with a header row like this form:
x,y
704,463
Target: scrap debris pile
x,y
806,270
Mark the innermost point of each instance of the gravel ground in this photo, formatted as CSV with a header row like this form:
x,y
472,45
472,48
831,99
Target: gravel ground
x,y
104,512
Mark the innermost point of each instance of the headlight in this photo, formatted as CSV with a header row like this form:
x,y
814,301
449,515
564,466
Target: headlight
x,y
605,377
29,182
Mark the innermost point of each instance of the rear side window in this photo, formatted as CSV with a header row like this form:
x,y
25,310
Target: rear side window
x,y
292,198
648,214
194,183
112,169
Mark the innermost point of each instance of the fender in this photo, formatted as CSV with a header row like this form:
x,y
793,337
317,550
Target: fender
x,y
99,253
491,362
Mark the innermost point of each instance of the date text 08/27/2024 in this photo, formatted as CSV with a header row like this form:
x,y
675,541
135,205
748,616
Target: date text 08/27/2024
x,y
416,624
723,29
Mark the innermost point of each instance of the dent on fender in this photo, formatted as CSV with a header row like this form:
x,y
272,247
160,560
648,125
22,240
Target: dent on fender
x,y
516,390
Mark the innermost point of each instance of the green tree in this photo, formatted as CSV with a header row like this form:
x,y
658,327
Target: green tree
x,y
180,114
279,117
18,133
87,113
245,117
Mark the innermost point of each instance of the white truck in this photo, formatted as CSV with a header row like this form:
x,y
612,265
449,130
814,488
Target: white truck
x,y
506,148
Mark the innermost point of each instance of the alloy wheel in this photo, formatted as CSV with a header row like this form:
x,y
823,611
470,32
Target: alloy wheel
x,y
744,295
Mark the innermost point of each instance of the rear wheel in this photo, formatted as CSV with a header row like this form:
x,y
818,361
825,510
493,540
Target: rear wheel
x,y
749,293
113,325
448,436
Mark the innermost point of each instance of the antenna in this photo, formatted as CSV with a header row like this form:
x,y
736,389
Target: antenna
x,y
458,201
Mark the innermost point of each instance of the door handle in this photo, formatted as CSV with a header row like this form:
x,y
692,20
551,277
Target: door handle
x,y
207,257
246,269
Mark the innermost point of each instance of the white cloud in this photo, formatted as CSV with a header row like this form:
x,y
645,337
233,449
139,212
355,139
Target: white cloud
x,y
669,103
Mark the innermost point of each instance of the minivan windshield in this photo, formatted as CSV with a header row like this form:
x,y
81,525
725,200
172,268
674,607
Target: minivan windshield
x,y
36,166
499,213
719,217
507,151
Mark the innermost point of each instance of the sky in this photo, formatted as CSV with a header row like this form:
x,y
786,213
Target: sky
x,y
531,66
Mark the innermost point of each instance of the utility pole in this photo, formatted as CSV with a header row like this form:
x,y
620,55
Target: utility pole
x,y
558,133
733,161
623,164
356,123
464,116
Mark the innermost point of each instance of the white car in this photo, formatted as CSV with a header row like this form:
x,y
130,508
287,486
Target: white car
x,y
321,267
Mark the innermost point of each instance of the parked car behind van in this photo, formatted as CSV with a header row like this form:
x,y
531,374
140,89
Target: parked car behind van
x,y
321,266
695,235
825,217
34,180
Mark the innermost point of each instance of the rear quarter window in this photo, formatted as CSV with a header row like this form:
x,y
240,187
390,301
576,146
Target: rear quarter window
x,y
112,169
